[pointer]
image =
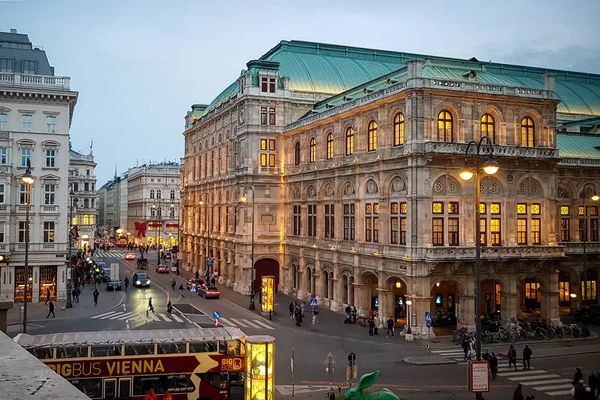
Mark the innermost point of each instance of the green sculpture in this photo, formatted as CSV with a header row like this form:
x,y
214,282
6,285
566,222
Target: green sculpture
x,y
366,381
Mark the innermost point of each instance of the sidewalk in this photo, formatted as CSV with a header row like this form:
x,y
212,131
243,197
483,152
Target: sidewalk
x,y
37,312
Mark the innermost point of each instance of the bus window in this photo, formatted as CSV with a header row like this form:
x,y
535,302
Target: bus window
x,y
218,380
171,348
106,351
43,353
203,347
141,385
91,387
234,348
138,349
180,384
72,352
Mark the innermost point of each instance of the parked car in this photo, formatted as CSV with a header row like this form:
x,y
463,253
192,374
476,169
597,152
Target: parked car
x,y
209,292
162,269
141,279
130,256
114,285
587,314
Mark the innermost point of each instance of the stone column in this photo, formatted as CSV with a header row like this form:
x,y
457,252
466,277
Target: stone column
x,y
61,283
318,279
335,303
230,272
382,298
302,279
35,284
466,311
359,303
550,309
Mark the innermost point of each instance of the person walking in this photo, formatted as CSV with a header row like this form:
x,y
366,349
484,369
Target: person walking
x,y
92,281
169,307
494,365
181,289
150,306
527,358
96,294
174,283
465,346
512,357
167,396
51,309
390,327
578,376
371,326
593,383
518,393
150,395
126,283
47,296
291,308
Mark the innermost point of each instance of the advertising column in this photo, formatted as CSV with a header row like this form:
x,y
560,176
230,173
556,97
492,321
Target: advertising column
x,y
260,359
267,293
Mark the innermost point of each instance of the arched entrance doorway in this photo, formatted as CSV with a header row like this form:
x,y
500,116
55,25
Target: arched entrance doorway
x,y
491,301
530,297
444,303
589,287
397,299
266,266
564,292
370,283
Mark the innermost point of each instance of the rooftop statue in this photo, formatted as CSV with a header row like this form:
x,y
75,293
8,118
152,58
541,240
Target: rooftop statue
x,y
366,381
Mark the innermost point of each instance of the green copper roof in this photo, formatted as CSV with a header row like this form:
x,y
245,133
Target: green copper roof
x,y
578,146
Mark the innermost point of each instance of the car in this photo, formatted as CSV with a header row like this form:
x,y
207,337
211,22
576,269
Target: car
x,y
114,285
209,292
142,263
162,269
587,314
141,279
130,256
105,271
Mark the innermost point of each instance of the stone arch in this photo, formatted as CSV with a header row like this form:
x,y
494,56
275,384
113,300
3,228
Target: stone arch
x,y
529,187
327,188
586,189
266,266
370,283
347,188
565,190
492,187
446,185
310,277
393,184
370,186
530,296
393,111
295,193
533,114
493,111
296,274
396,296
311,191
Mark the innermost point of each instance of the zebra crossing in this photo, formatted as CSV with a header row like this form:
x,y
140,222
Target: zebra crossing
x,y
244,323
537,379
136,315
113,252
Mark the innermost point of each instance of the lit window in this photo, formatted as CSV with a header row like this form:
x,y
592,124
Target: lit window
x,y
263,144
495,208
437,207
48,232
482,208
487,126
495,231
437,230
522,231
483,231
313,150
527,132
372,136
86,219
453,207
521,209
349,141
445,127
535,209
263,160
329,146
399,129
51,124
272,144
271,160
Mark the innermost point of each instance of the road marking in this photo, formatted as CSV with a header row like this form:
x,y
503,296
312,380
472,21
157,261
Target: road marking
x,y
100,315
263,324
154,317
118,313
560,393
521,373
531,378
176,318
239,323
165,317
225,321
549,381
126,315
554,387
250,324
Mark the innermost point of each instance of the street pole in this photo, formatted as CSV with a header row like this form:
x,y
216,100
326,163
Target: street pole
x,y
252,305
584,290
292,364
69,264
159,212
28,179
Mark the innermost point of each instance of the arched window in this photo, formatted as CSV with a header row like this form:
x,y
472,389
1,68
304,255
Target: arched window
x,y
158,194
527,132
86,203
445,127
313,150
329,146
349,141
399,129
159,211
372,136
297,153
487,126
172,194
151,193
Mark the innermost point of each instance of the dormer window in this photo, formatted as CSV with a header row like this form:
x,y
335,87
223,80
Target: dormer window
x,y
268,85
6,65
29,67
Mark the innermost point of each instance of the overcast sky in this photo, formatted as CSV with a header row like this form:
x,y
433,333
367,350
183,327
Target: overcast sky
x,y
139,65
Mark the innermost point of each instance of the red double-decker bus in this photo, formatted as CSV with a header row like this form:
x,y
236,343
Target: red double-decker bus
x,y
191,364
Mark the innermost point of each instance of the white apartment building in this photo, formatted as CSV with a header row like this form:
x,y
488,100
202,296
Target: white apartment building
x,y
36,109
82,184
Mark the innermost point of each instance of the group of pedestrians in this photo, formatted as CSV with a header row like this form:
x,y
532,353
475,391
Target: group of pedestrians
x,y
297,311
582,392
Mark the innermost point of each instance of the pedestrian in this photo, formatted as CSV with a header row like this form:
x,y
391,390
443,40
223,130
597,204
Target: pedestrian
x,y
371,326
518,393
213,281
76,293
167,396
298,314
593,382
169,307
96,294
302,307
527,358
197,275
51,309
578,376
173,283
390,327
47,295
465,347
181,289
291,310
92,281
150,395
150,306
126,283
83,282
578,391
494,365
512,357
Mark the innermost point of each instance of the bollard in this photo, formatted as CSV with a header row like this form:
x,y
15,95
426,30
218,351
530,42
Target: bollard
x,y
270,311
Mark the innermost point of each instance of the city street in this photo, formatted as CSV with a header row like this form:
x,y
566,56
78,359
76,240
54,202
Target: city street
x,y
311,344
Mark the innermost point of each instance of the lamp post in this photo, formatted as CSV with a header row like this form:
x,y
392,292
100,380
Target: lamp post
x,y
69,263
28,180
594,197
209,223
490,167
244,198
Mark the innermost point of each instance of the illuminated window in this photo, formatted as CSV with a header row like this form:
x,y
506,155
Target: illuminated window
x,y
399,129
527,132
483,231
272,144
313,150
588,290
329,146
521,209
403,208
532,291
297,153
349,141
535,231
453,231
535,209
522,231
453,207
581,210
271,160
482,208
495,208
86,219
75,220
495,231
437,230
263,144
372,133
565,210
92,219
563,292
372,222
48,232
487,126
593,211
263,160
445,127
437,207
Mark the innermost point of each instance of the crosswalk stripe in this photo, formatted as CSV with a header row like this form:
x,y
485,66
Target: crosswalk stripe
x,y
165,317
127,315
250,323
263,324
176,318
554,387
549,381
559,393
239,323
532,378
154,317
521,373
100,315
113,315
225,321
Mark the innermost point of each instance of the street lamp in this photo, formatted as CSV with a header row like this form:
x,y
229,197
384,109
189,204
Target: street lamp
x,y
593,197
69,263
244,199
490,167
408,311
28,180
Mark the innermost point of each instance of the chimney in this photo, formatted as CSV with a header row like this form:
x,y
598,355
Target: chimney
x,y
415,68
549,82
13,30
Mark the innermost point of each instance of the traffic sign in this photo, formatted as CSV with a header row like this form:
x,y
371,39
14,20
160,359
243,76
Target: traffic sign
x,y
428,319
193,288
313,301
217,314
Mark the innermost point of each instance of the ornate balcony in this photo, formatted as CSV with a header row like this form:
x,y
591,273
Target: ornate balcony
x,y
499,150
494,253
577,247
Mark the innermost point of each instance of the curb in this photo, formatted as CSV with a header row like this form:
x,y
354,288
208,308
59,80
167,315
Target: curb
x,y
419,361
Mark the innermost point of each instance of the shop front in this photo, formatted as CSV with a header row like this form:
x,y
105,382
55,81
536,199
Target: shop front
x,y
20,284
47,283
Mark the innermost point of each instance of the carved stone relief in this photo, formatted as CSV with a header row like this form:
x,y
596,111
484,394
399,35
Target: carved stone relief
x,y
312,192
371,187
